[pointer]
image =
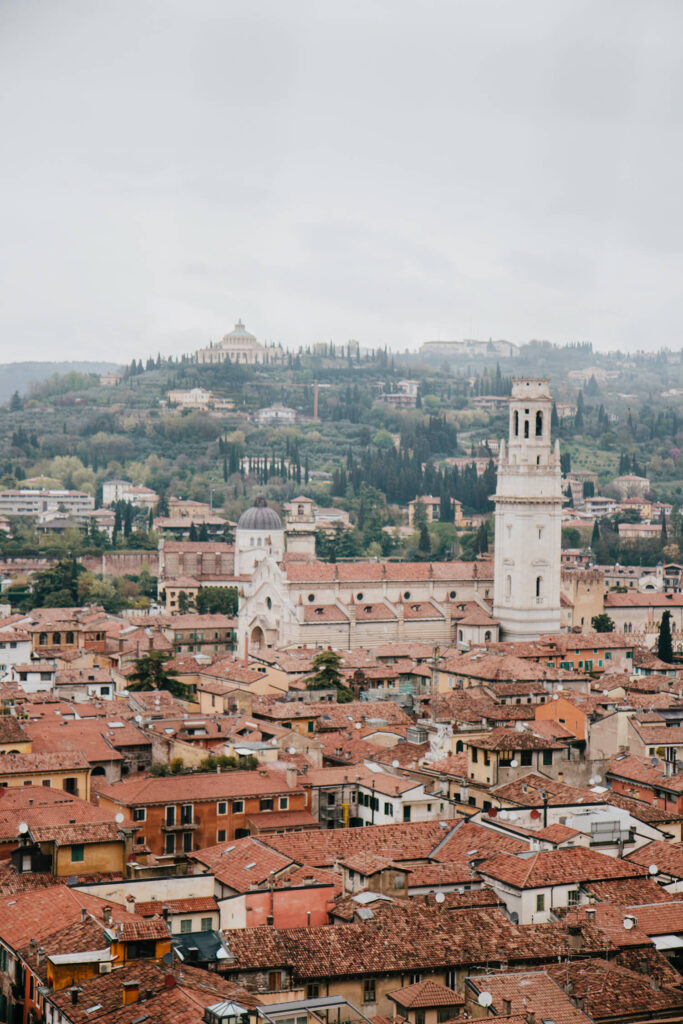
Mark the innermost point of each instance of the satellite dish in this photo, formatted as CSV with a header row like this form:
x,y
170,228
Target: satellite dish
x,y
514,763
605,693
119,818
439,897
138,718
492,812
513,817
357,725
291,750
503,815
653,869
535,814
484,998
23,827
395,763
597,779
654,762
555,696
628,923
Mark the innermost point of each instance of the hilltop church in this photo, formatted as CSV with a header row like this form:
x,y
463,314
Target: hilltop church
x,y
291,598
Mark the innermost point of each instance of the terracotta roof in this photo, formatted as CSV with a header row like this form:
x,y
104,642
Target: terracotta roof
x,y
629,891
425,994
83,832
359,572
146,789
615,991
469,841
526,791
667,856
241,863
642,811
556,867
191,905
531,991
639,769
11,764
38,913
263,821
325,613
556,833
456,872
11,731
131,928
399,842
454,764
514,739
366,863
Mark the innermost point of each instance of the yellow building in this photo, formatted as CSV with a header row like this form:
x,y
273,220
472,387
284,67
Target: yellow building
x,y
13,739
67,770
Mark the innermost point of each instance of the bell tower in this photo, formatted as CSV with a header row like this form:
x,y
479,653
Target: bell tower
x,y
528,503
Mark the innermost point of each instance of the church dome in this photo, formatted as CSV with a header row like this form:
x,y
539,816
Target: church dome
x,y
259,517
240,333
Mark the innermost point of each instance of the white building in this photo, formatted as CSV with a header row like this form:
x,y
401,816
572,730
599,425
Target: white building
x,y
27,502
239,346
189,398
124,490
276,414
528,503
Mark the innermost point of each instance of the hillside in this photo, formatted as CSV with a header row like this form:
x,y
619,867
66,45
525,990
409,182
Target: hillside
x,y
20,376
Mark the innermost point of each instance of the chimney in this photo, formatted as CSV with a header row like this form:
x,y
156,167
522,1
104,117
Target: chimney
x,y
574,937
32,946
193,954
131,992
590,913
130,900
507,1007
655,983
74,995
164,913
530,1017
106,914
84,915
39,956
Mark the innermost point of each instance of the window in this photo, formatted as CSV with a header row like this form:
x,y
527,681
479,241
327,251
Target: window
x,y
187,842
274,980
312,991
170,815
540,902
525,757
77,852
508,586
573,898
475,754
419,1017
539,424
526,428
144,949
539,585
185,926
221,835
47,783
389,809
515,421
186,814
238,806
547,757
266,803
369,990
139,814
222,807
169,845
415,977
206,924
283,803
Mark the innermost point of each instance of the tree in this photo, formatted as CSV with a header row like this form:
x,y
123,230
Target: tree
x,y
217,601
193,532
595,536
203,532
602,623
424,545
327,676
665,651
15,402
151,674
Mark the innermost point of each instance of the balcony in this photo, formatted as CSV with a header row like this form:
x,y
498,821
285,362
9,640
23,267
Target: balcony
x,y
181,826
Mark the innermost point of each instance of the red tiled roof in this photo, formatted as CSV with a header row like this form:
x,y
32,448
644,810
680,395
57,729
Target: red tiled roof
x,y
425,994
556,867
667,856
467,839
146,789
399,842
241,863
12,764
191,905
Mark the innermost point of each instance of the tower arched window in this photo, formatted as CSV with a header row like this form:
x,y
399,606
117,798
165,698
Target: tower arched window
x,y
539,585
539,424
487,636
515,421
508,586
526,428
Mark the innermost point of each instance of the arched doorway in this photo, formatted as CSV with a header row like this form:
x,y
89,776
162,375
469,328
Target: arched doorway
x,y
257,639
98,770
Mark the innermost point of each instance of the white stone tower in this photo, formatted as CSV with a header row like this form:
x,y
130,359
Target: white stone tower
x,y
528,502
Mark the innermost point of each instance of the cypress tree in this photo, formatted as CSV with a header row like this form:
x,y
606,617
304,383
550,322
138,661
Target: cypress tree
x,y
665,651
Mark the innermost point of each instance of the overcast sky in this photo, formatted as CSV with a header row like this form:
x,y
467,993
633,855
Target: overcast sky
x,y
386,170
